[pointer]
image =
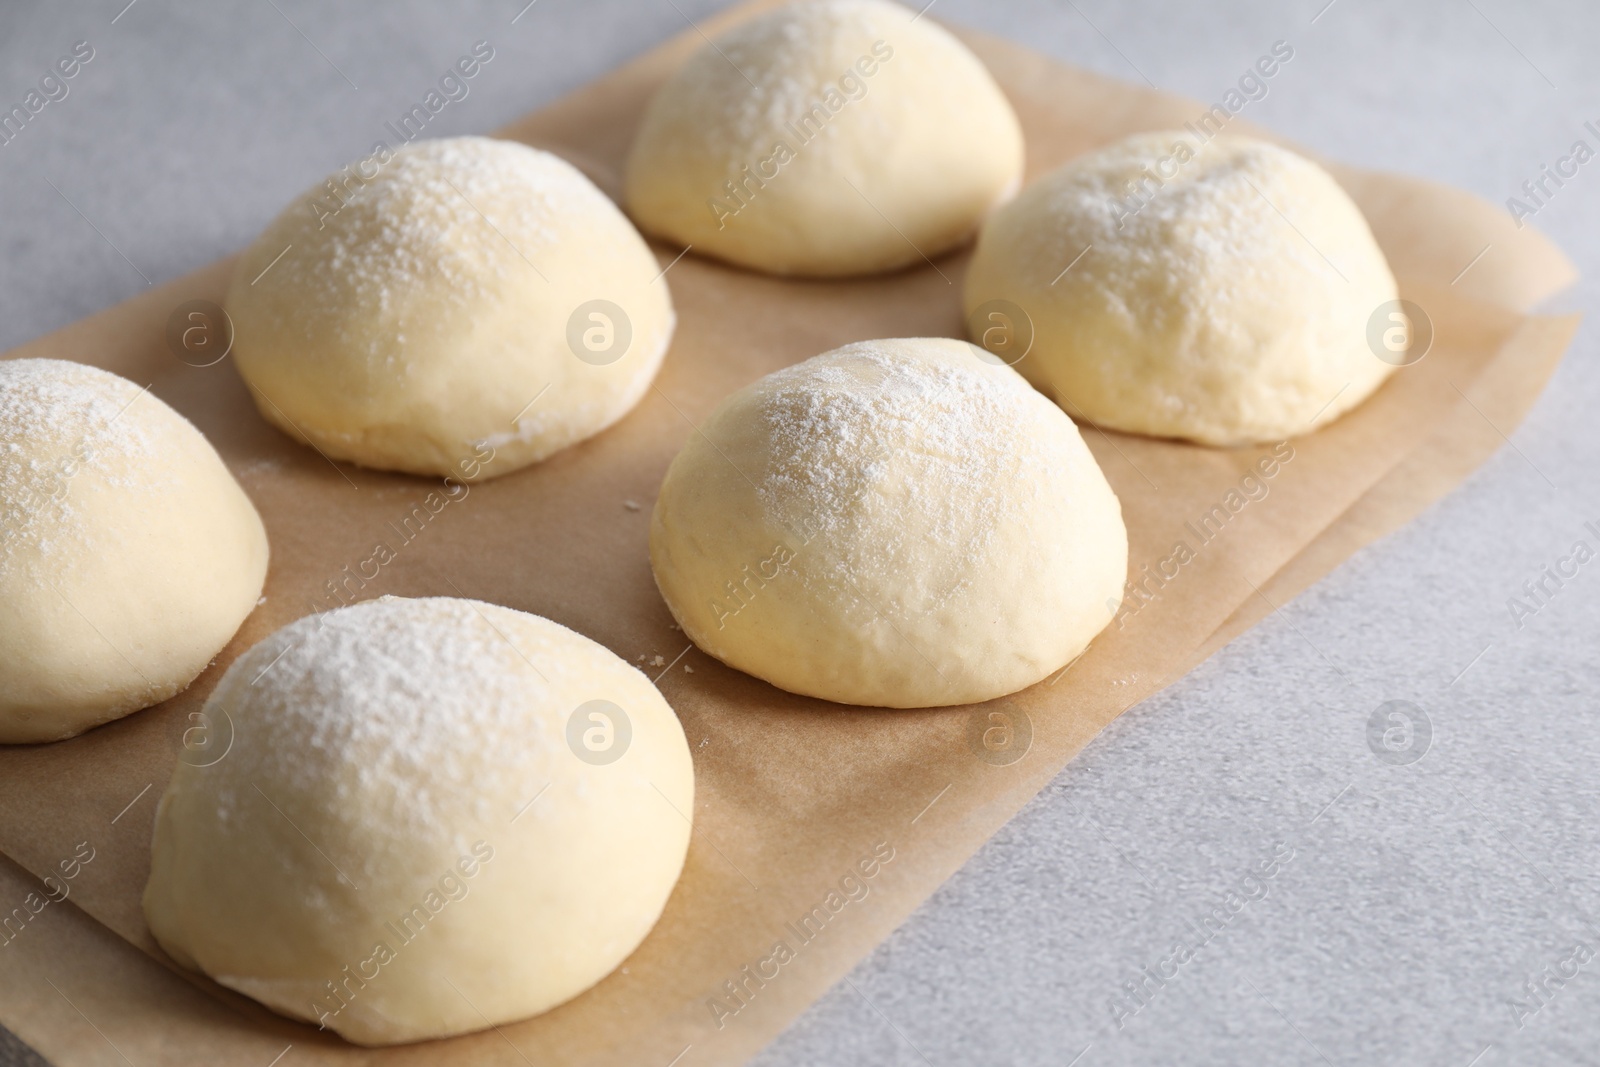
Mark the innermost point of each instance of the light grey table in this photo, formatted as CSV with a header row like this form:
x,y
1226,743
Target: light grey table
x,y
1420,899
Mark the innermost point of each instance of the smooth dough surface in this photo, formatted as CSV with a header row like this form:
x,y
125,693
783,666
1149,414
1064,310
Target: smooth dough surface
x,y
1230,308
128,554
828,137
899,523
401,842
441,320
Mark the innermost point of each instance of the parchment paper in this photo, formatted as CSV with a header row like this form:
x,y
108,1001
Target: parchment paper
x,y
792,793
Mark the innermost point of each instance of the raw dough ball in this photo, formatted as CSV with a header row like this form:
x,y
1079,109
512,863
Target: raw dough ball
x,y
1210,312
895,523
472,308
128,554
403,841
862,141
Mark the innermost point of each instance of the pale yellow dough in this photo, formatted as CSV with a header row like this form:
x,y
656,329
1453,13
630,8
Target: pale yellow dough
x,y
827,137
1215,291
128,554
900,523
441,320
402,841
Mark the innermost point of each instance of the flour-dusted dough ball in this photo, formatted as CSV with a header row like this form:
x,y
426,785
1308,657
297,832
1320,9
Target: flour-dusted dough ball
x,y
436,816
1222,294
894,523
128,554
828,137
462,308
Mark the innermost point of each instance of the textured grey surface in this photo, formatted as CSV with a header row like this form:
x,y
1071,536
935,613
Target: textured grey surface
x,y
15,1053
1419,899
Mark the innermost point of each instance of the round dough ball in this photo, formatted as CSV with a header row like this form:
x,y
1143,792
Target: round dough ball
x,y
128,554
436,816
828,137
898,523
472,306
1231,307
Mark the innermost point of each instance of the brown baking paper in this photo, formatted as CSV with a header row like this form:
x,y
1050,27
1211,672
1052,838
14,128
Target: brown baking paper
x,y
793,793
